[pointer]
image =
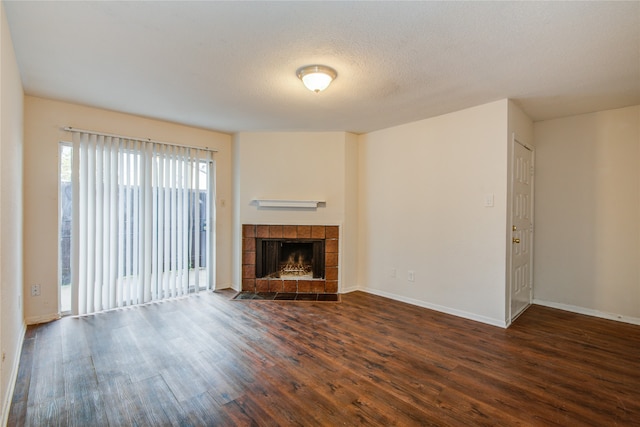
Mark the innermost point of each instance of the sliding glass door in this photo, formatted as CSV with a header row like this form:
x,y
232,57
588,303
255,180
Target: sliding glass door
x,y
65,209
142,222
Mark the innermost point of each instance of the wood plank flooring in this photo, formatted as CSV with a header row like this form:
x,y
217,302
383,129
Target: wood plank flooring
x,y
209,361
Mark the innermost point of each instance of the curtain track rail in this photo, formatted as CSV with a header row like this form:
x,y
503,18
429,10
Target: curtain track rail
x,y
113,135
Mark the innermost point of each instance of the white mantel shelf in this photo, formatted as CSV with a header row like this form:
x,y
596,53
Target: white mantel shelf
x,y
269,203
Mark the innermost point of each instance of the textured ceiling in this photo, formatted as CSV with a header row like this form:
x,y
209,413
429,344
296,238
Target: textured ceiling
x,y
230,66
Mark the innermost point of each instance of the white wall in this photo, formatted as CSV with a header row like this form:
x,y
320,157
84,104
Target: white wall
x,y
44,121
297,166
587,249
421,189
11,142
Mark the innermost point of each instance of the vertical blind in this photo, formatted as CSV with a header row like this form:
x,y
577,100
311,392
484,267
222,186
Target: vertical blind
x,y
143,221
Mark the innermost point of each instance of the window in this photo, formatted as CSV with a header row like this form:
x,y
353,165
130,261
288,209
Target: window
x,y
65,201
142,222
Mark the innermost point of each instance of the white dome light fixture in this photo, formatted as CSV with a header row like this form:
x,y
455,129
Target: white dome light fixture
x,y
316,77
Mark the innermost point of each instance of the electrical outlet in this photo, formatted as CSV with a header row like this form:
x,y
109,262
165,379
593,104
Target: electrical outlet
x,y
35,290
411,276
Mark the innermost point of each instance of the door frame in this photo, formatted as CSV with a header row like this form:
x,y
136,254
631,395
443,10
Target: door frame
x,y
509,235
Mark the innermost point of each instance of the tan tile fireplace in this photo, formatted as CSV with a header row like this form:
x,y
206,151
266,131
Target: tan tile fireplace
x,y
253,233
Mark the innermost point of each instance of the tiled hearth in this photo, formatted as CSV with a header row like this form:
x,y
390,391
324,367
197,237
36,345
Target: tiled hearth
x,y
251,232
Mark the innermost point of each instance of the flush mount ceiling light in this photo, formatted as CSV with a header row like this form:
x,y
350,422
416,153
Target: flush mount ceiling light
x,y
316,77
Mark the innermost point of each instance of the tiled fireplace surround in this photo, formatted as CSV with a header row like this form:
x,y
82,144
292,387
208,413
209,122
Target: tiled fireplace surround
x,y
251,232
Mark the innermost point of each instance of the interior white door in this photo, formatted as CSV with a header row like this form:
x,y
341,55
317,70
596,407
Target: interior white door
x,y
522,229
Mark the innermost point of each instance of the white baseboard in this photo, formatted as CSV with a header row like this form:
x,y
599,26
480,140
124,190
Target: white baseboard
x,y
227,286
224,285
440,308
34,320
589,312
349,289
6,405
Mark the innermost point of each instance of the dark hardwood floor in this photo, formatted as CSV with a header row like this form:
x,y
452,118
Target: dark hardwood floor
x,y
207,360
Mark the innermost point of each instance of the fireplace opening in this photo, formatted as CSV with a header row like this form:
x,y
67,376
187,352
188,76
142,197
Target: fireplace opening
x,y
284,258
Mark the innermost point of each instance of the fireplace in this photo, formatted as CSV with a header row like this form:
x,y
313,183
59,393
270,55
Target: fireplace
x,y
286,258
290,258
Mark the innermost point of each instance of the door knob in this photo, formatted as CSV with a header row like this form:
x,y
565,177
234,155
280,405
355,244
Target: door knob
x,y
516,240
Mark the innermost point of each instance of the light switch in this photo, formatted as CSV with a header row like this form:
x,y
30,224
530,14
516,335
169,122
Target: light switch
x,y
488,200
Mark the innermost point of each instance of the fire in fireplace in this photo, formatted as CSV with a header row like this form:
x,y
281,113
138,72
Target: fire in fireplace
x,y
285,258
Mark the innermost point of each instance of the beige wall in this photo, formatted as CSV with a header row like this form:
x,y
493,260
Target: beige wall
x,y
298,166
349,268
421,189
11,142
44,123
587,250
